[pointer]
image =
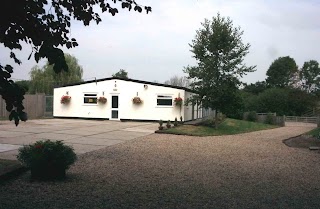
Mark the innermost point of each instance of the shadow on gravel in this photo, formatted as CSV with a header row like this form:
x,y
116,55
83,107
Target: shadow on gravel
x,y
302,141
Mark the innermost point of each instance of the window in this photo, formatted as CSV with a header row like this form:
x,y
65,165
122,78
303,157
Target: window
x,y
90,99
164,100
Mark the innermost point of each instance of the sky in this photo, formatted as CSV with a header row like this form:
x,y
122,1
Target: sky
x,y
155,46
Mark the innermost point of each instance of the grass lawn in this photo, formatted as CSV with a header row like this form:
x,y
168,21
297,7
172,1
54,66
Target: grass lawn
x,y
228,127
8,166
315,132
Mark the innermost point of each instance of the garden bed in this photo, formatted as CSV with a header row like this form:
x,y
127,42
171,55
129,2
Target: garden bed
x,y
304,141
227,127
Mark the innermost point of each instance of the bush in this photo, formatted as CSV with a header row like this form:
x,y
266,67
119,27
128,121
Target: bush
x,y
181,119
47,159
160,125
168,124
252,116
213,122
269,119
175,122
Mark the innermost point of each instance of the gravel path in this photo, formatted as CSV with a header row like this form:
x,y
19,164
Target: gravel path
x,y
252,170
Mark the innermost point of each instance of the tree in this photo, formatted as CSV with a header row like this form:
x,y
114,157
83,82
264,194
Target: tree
x,y
45,26
310,76
256,88
219,51
44,79
283,101
24,84
121,74
282,72
178,81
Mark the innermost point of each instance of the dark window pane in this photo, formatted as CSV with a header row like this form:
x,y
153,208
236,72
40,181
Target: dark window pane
x,y
164,102
115,101
90,95
114,114
90,100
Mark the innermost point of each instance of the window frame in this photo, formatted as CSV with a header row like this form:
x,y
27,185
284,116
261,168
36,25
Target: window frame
x,y
90,95
163,96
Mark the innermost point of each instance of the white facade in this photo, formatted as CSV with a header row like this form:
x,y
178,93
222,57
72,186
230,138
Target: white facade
x,y
123,90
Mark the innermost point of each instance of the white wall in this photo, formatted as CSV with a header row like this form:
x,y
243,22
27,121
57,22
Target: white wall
x,y
188,109
126,90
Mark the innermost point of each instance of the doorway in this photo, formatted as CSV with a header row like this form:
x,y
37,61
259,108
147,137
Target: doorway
x,y
115,107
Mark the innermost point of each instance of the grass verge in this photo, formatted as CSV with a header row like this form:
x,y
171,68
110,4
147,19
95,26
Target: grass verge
x,y
315,132
10,169
227,127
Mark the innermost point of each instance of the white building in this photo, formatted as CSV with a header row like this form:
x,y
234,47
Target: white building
x,y
158,101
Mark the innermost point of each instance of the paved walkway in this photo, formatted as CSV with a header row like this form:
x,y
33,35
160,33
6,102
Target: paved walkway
x,y
83,135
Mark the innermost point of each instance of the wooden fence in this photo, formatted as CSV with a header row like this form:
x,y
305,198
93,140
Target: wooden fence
x,y
301,119
36,106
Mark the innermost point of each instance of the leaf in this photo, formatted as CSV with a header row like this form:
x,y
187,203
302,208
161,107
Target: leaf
x,y
69,45
36,56
16,121
138,8
74,44
6,75
23,116
9,68
11,116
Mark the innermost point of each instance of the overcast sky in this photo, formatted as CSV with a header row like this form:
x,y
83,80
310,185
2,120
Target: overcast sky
x,y
155,46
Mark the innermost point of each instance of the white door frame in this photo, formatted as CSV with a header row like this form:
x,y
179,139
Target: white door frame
x,y
116,108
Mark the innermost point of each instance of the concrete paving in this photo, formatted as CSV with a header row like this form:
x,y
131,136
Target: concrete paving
x,y
83,135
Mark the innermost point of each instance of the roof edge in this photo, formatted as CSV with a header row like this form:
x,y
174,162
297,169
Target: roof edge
x,y
126,79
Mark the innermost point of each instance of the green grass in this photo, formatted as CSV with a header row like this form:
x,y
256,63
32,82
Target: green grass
x,y
228,127
315,132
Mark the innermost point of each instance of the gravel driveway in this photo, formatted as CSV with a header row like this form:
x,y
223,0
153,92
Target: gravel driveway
x,y
252,170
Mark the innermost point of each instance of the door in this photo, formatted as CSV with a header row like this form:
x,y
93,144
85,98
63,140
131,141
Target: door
x,y
115,107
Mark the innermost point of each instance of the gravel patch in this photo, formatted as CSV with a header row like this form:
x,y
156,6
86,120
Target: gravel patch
x,y
251,170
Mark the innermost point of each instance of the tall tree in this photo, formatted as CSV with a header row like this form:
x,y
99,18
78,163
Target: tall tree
x,y
255,88
310,76
45,26
282,72
178,81
44,79
219,51
24,84
121,74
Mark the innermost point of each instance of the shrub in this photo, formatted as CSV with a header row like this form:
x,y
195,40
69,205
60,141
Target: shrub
x,y
160,125
252,116
47,159
213,122
168,124
181,119
269,119
175,122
